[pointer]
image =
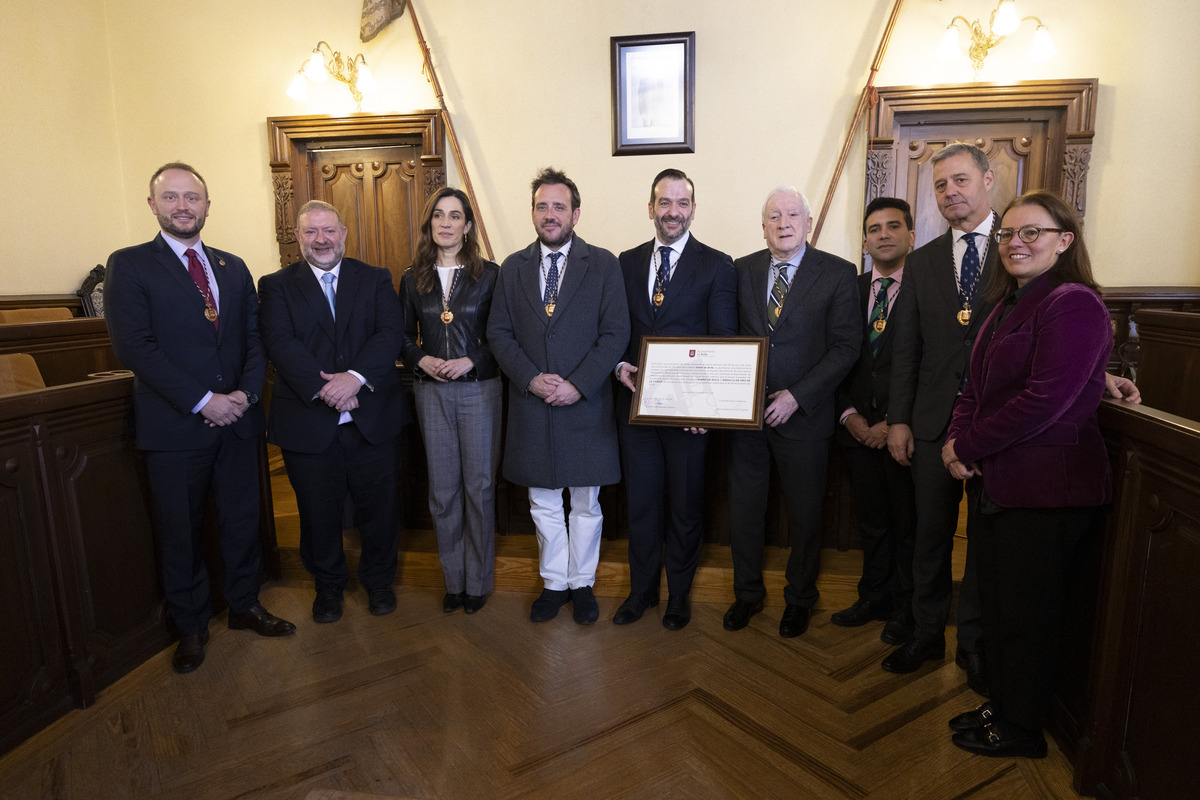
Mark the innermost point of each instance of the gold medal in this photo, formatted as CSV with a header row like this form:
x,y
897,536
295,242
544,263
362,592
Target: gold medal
x,y
964,317
879,325
549,309
210,314
447,317
658,298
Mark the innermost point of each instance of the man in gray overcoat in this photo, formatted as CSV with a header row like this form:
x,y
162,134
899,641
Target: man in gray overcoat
x,y
558,327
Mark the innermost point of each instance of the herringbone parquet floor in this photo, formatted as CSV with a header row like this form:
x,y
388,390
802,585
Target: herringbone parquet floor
x,y
425,705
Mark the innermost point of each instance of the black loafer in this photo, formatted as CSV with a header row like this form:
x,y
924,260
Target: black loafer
x,y
381,601
910,656
189,655
678,613
991,740
972,663
981,716
899,628
859,614
327,607
794,622
739,614
473,602
632,609
546,607
584,608
453,602
263,622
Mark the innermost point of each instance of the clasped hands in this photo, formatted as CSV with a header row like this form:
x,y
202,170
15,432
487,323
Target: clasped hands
x,y
445,370
340,391
225,409
555,389
957,468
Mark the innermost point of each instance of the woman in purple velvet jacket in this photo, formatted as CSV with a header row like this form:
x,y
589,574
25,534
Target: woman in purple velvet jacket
x,y
1026,422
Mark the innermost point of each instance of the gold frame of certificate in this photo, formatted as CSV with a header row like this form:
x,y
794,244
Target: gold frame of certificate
x,y
700,382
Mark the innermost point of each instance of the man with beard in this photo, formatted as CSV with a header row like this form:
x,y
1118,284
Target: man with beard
x,y
676,286
332,326
558,327
184,318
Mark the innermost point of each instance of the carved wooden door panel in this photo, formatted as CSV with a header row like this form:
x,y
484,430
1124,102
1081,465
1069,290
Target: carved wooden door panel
x,y
379,194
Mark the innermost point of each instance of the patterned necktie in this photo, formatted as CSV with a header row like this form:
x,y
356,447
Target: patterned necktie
x,y
330,294
778,292
663,277
968,274
879,314
196,270
551,296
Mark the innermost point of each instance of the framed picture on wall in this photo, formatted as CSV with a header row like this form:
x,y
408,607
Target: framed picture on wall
x,y
654,94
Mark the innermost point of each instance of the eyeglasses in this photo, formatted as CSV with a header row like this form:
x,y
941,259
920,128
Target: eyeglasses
x,y
1027,233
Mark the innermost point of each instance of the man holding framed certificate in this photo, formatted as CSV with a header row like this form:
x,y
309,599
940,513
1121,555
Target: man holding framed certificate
x,y
675,286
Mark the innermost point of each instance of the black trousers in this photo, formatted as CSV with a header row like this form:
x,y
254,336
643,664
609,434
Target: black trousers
x,y
885,505
802,465
664,486
1028,559
321,481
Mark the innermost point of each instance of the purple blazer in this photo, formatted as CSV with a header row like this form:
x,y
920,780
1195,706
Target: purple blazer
x,y
1028,413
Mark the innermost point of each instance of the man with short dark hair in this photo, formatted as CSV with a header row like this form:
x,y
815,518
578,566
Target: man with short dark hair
x,y
183,317
332,327
883,491
558,327
675,286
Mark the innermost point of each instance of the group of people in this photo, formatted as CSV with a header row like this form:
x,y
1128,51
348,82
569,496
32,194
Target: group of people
x,y
882,358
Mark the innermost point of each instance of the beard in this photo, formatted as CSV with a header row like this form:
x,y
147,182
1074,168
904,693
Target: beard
x,y
182,228
558,239
660,227
323,261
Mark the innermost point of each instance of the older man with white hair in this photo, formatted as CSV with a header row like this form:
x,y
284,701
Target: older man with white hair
x,y
806,302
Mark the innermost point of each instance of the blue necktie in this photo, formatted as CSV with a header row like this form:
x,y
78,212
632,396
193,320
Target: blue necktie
x,y
968,274
662,277
327,280
551,296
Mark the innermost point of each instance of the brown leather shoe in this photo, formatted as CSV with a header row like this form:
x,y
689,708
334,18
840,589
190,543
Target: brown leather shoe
x,y
189,655
261,621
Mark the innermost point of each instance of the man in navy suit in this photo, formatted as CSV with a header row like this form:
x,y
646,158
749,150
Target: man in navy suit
x,y
805,301
883,489
184,318
675,286
332,327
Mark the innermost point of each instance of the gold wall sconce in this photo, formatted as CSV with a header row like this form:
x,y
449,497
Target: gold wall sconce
x,y
1002,21
324,63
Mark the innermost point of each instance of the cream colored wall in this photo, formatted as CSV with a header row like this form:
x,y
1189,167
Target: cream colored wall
x,y
125,85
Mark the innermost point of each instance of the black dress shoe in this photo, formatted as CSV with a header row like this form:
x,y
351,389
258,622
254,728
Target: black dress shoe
x,y
546,607
996,741
327,607
859,614
381,601
899,628
910,656
739,614
678,614
453,602
584,608
632,609
972,663
261,621
794,622
189,655
473,602
981,716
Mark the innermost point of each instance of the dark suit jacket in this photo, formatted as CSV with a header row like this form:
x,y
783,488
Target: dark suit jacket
x,y
302,340
867,386
931,349
817,339
1028,414
701,300
156,321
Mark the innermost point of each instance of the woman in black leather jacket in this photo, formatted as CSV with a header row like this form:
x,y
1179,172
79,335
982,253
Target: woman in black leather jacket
x,y
446,295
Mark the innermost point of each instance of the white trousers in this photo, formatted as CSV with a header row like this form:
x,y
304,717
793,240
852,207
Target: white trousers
x,y
567,561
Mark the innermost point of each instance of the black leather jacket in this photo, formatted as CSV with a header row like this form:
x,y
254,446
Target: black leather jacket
x,y
466,335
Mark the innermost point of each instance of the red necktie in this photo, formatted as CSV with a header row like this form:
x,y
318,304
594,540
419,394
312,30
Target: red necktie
x,y
196,270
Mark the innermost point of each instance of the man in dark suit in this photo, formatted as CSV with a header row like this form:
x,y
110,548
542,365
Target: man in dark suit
x,y
558,327
805,301
332,327
675,286
184,318
883,489
938,315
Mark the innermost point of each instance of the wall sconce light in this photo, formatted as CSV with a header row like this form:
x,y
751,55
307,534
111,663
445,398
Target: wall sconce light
x,y
1001,23
326,63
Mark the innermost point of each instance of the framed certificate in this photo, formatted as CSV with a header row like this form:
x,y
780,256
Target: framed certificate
x,y
701,382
